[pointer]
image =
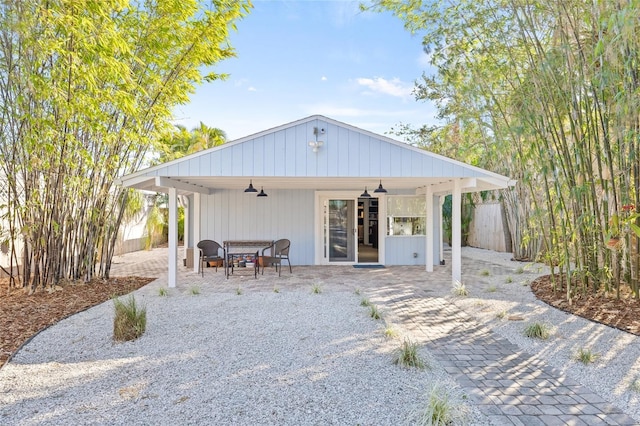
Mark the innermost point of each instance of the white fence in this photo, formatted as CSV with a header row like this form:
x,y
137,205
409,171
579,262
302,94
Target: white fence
x,y
487,228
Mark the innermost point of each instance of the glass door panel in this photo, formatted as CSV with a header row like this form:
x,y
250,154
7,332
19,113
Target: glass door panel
x,y
340,236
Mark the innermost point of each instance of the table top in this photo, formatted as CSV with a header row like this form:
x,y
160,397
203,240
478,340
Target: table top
x,y
247,243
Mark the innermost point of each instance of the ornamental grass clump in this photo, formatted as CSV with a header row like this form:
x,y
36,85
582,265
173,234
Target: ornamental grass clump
x,y
441,409
407,355
459,289
537,330
130,320
586,356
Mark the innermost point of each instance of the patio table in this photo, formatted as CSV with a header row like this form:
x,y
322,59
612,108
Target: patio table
x,y
240,250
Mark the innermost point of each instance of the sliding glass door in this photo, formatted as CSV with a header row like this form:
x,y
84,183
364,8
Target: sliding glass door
x,y
340,231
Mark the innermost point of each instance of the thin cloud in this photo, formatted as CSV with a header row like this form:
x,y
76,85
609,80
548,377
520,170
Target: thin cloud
x,y
394,87
252,89
323,78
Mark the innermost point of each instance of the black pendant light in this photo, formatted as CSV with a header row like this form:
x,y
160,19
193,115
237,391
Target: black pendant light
x,y
380,188
262,193
250,188
365,194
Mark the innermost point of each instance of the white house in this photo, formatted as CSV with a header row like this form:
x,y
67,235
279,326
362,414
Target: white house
x,y
314,172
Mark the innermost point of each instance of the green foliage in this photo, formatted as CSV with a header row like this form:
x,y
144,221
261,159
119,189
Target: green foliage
x,y
163,291
440,409
276,289
635,385
517,97
239,291
88,88
365,302
357,292
130,320
508,280
390,332
195,290
491,289
316,289
501,314
407,355
154,227
537,330
374,312
586,356
459,289
485,273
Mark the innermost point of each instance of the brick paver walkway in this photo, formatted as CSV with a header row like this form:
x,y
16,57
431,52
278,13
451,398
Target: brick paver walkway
x,y
509,385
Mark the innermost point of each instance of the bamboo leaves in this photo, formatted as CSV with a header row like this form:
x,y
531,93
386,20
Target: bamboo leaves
x,y
85,89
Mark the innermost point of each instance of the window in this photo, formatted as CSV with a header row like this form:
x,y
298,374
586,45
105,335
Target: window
x,y
406,215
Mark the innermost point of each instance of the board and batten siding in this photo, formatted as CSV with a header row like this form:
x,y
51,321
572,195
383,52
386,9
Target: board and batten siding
x,y
235,215
346,153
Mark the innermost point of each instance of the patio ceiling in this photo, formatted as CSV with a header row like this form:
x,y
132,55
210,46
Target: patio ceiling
x,y
207,185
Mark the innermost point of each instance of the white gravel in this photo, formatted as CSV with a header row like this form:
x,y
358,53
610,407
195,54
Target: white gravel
x,y
289,358
292,358
617,365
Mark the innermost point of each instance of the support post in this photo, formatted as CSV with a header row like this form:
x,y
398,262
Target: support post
x,y
185,245
429,230
196,231
456,232
172,279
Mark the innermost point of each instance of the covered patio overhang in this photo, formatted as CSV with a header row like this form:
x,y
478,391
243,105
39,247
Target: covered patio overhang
x,y
428,187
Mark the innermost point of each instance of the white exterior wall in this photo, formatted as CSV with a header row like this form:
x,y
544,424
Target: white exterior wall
x,y
346,153
235,215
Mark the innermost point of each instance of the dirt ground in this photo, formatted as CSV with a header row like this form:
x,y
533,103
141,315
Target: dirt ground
x,y
23,315
623,314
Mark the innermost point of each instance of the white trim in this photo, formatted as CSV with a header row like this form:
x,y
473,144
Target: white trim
x,y
196,230
172,278
320,197
456,232
429,230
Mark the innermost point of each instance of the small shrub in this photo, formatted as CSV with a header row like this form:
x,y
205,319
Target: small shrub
x,y
407,355
520,270
501,314
441,409
459,289
485,273
635,385
365,302
315,289
492,289
374,312
525,283
195,291
130,320
357,291
537,330
239,291
276,289
508,280
163,291
585,356
390,332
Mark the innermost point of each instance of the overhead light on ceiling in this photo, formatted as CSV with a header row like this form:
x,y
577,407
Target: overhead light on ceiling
x,y
262,193
380,189
365,194
250,188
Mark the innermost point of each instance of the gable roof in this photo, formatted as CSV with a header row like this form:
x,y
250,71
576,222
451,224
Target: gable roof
x,y
281,157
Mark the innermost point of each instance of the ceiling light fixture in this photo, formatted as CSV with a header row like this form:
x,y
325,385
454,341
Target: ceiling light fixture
x,y
365,194
380,189
250,188
262,193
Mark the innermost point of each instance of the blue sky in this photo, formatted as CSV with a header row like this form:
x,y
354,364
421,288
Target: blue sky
x,y
299,58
